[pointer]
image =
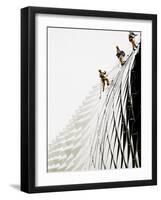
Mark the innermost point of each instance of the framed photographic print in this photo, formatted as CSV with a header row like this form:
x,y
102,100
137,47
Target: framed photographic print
x,y
88,99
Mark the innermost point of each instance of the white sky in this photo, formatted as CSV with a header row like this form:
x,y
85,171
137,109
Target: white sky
x,y
74,57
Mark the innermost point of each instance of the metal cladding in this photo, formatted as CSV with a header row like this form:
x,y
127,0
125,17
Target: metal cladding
x,y
100,134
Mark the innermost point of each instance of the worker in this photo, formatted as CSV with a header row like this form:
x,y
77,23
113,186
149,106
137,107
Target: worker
x,y
120,54
104,78
132,40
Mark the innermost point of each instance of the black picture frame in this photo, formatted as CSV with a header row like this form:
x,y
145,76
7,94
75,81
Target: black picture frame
x,y
28,98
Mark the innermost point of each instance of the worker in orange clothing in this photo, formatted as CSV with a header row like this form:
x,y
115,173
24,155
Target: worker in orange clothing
x,y
132,40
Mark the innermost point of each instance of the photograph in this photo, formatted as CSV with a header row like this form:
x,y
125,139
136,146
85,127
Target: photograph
x,y
94,99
